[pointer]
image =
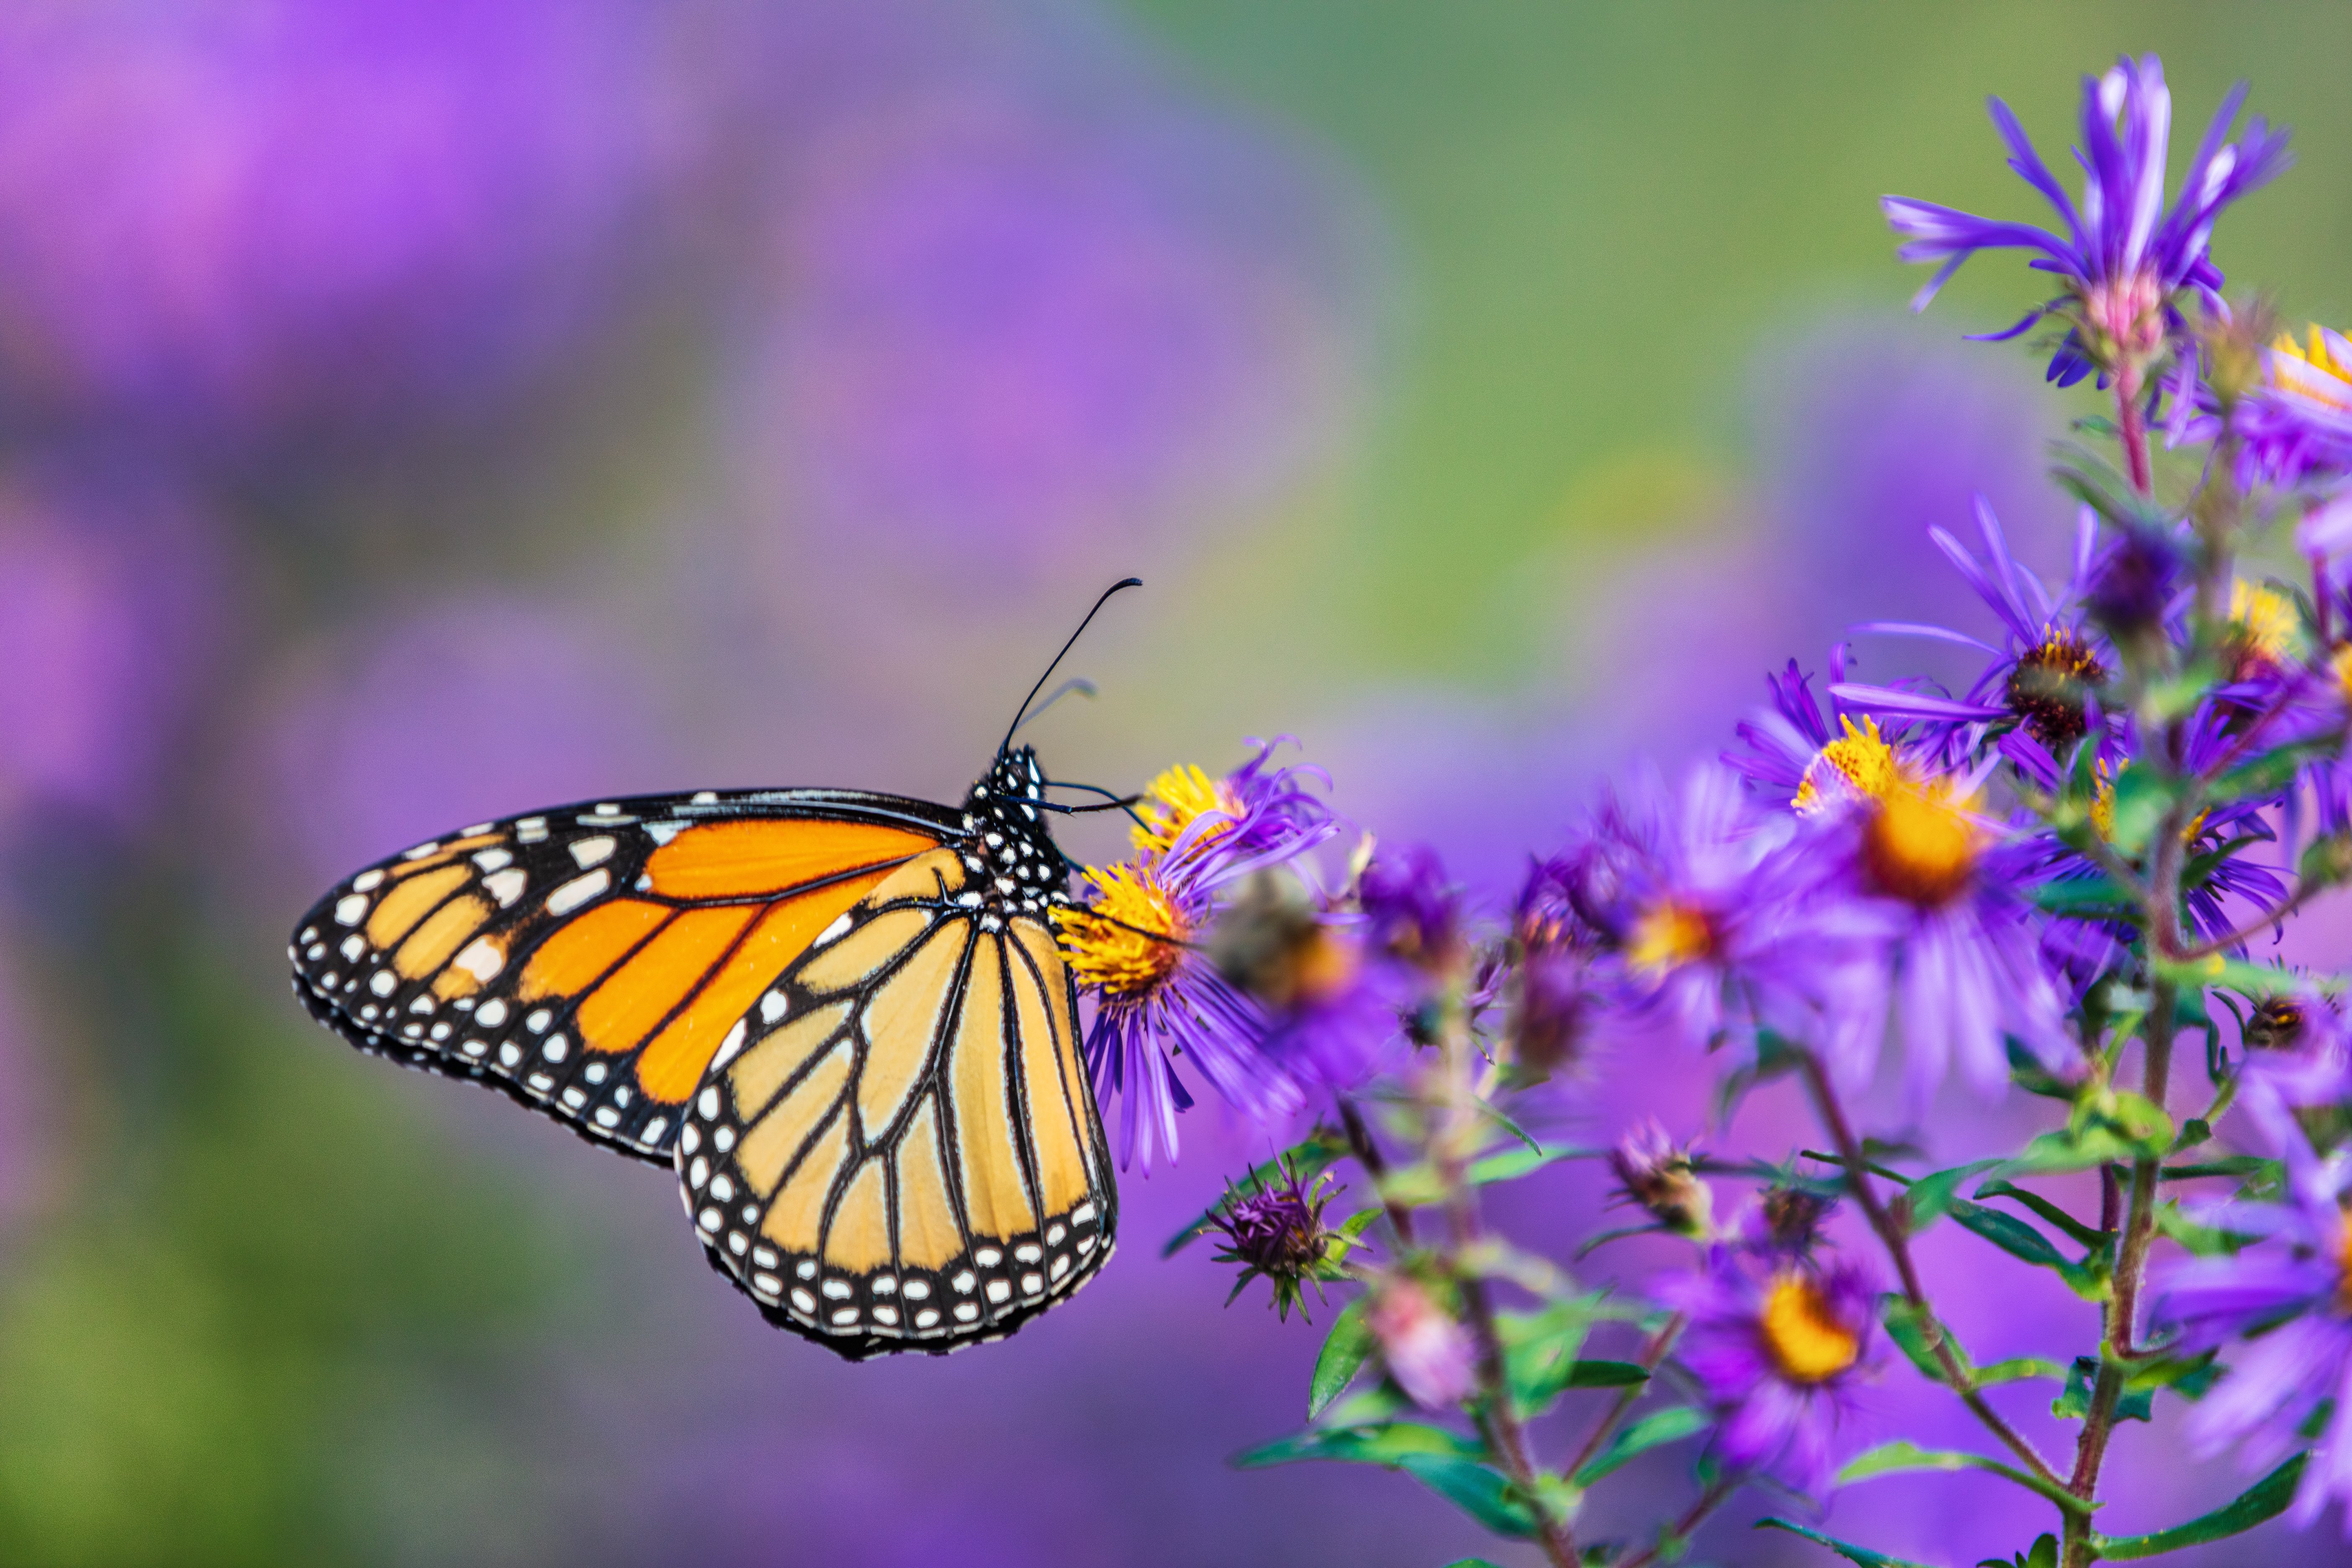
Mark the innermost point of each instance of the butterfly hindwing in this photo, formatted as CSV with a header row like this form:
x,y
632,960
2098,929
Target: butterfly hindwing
x,y
900,1151
590,960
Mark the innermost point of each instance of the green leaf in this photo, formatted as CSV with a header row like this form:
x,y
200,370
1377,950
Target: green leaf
x,y
1928,1198
1539,1351
1845,1548
1483,1492
1417,1185
2013,1236
2188,1376
2229,1165
1654,1430
2265,1500
1322,1149
2200,1239
1385,1443
1514,1163
1344,1350
2081,895
2142,798
2026,1071
1998,1188
1900,1458
1902,1326
2017,1369
1472,1563
2053,1153
2074,1403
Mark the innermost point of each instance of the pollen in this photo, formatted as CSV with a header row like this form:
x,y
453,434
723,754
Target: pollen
x,y
2336,390
2050,686
2340,666
1128,941
2265,622
1667,936
1857,765
1920,847
1175,801
1803,1336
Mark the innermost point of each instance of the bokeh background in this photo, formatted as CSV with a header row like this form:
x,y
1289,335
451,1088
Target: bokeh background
x,y
415,410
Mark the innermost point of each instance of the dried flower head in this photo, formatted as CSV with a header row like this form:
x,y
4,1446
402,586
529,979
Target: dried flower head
x,y
1656,1173
1275,1230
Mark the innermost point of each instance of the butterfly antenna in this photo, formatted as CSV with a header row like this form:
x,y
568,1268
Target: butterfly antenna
x,y
1076,684
1123,582
1110,801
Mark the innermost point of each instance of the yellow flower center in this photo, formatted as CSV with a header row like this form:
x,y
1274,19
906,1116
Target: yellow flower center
x,y
2265,620
1667,936
1806,1341
2340,666
1129,939
1919,847
1858,764
1177,799
2344,1263
2311,370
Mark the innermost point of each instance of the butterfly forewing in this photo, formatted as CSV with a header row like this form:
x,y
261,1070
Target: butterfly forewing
x,y
900,1151
591,960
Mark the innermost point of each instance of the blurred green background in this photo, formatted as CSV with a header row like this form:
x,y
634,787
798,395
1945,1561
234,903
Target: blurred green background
x,y
433,413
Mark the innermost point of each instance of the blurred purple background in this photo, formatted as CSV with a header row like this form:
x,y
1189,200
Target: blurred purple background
x,y
415,411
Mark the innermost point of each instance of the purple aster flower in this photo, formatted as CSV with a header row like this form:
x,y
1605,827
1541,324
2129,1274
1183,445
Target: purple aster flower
x,y
1430,1354
2291,1295
1797,755
2123,257
1331,1004
2296,426
2044,682
239,217
1410,910
1691,896
1552,1006
1779,1352
1275,1229
1258,814
1134,945
1926,900
2298,1053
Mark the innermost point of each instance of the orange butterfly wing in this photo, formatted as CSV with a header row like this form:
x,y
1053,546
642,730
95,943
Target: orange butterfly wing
x,y
590,961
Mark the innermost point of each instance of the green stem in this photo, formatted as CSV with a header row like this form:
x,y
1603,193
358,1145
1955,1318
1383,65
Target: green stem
x,y
1456,1130
1898,1248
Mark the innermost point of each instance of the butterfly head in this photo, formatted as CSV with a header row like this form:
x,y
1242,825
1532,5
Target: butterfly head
x,y
1004,812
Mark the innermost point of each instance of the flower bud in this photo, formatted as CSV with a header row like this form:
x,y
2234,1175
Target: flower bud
x,y
1430,1355
1276,1231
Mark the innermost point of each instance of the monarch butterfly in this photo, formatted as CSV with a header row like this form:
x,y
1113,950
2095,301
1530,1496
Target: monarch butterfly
x,y
841,1017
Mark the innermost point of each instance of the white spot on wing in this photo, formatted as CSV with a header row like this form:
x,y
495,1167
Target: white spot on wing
x,y
578,892
593,851
482,959
350,908
506,886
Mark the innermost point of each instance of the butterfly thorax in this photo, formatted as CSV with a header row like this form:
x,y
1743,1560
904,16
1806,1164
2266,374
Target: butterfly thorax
x,y
1017,867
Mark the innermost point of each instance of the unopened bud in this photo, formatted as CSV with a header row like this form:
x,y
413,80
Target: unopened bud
x,y
1430,1355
